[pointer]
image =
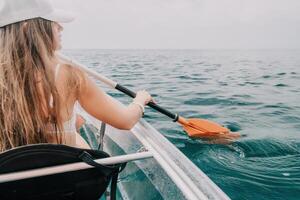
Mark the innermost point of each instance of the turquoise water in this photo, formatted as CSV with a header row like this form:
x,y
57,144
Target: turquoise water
x,y
256,93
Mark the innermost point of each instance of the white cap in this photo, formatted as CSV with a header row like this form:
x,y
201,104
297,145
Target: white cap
x,y
12,11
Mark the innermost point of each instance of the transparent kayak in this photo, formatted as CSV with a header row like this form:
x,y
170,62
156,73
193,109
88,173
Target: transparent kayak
x,y
167,174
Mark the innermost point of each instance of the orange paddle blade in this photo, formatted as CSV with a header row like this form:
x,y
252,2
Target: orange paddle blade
x,y
201,128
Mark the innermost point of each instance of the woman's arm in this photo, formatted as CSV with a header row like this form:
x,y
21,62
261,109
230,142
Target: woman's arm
x,y
109,110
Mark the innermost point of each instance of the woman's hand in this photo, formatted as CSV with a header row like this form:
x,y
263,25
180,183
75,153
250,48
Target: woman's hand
x,y
143,97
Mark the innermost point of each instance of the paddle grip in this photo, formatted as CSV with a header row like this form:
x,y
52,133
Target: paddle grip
x,y
151,104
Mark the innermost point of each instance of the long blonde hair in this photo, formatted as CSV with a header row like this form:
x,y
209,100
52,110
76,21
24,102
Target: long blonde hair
x,y
26,49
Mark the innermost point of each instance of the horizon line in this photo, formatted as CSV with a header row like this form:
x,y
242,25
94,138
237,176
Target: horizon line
x,y
246,49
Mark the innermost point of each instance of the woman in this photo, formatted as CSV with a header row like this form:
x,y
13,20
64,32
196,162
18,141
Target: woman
x,y
38,91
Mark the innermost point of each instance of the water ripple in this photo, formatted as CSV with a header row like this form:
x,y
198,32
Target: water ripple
x,y
254,92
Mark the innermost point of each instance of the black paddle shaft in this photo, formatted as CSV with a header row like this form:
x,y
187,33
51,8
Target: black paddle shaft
x,y
151,104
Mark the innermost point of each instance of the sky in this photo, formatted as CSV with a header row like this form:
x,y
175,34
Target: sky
x,y
182,24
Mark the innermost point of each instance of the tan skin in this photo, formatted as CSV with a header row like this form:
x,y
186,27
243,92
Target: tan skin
x,y
95,101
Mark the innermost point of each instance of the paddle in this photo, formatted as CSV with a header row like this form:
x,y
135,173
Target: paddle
x,y
195,128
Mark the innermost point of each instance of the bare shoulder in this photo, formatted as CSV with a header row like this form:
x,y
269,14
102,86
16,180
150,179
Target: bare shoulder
x,y
69,67
75,78
71,70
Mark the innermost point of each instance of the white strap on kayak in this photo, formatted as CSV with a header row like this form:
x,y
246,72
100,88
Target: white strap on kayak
x,y
14,176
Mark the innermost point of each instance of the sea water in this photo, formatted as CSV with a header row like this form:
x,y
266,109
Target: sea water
x,y
253,92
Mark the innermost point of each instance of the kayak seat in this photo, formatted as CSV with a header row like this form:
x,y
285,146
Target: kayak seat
x,y
81,184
